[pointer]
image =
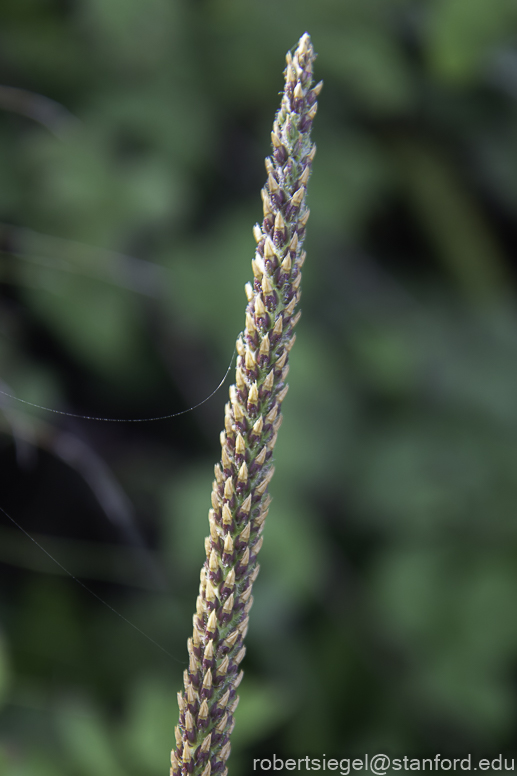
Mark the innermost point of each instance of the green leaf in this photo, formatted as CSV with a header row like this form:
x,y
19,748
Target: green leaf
x,y
97,323
148,734
461,35
5,672
87,741
371,65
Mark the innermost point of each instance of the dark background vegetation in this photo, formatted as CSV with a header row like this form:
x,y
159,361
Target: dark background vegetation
x,y
130,169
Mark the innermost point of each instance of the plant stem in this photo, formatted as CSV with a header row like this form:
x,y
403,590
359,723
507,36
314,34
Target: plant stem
x,y
240,500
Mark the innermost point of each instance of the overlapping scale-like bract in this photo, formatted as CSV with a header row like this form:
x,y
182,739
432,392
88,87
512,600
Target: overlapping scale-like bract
x,y
240,500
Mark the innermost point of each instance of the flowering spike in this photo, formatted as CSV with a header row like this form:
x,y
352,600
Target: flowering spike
x,y
311,115
212,622
261,489
227,464
258,426
245,596
227,515
286,267
261,457
258,521
207,680
271,416
240,500
243,473
189,719
272,184
213,527
246,505
281,360
229,582
279,223
260,310
250,360
225,662
245,534
250,325
269,250
267,288
290,307
305,174
317,89
240,654
241,385
283,393
229,490
237,413
257,272
298,92
275,140
240,445
231,639
297,198
266,203
239,345
257,547
264,347
209,592
222,724
228,544
243,563
253,394
209,650
205,746
269,381
228,604
277,330
293,245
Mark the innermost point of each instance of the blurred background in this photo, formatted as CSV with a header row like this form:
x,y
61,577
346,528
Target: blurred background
x,y
132,139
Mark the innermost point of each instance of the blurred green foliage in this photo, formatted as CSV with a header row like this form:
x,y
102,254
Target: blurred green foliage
x,y
132,138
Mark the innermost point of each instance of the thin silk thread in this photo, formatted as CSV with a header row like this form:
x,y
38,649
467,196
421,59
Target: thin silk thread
x,y
123,420
109,606
107,420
